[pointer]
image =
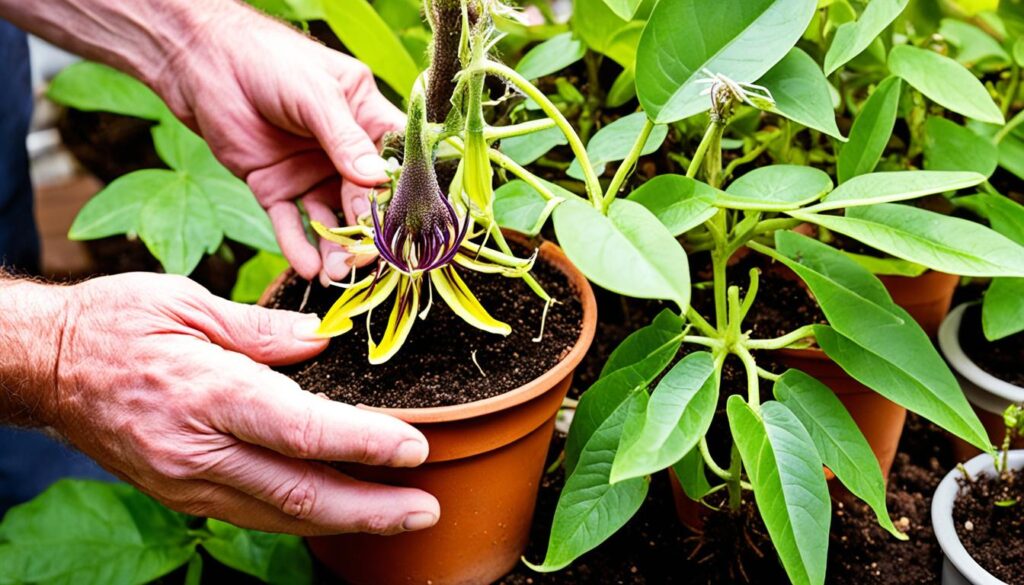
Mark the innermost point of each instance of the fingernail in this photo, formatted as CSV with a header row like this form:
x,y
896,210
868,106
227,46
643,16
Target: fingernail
x,y
371,165
305,329
410,453
419,521
336,265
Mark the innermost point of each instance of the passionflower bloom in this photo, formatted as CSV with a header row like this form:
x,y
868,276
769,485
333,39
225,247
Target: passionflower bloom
x,y
419,239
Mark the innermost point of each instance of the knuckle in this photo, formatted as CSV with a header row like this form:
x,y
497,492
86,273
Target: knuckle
x,y
368,448
308,435
377,523
299,498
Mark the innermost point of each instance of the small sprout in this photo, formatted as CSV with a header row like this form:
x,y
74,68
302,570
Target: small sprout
x,y
1006,503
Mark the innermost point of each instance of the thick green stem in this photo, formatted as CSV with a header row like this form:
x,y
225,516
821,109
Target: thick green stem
x,y
783,341
700,323
593,185
627,165
713,129
753,383
493,133
710,462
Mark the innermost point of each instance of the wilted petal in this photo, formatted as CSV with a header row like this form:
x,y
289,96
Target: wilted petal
x,y
458,296
403,314
357,299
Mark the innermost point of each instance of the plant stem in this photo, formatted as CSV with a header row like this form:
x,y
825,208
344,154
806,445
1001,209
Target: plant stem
x,y
702,148
627,165
767,375
705,341
733,481
778,223
750,156
700,323
499,238
783,341
1011,90
590,177
710,462
753,381
493,133
748,300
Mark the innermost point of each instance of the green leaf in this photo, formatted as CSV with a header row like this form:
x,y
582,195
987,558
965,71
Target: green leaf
x,y
1011,12
852,38
529,147
92,532
517,205
802,93
679,202
841,445
945,82
876,341
1018,51
293,10
974,46
943,243
590,509
614,141
115,209
789,485
605,32
624,9
1002,310
949,146
776,188
240,217
628,251
97,88
370,39
888,265
648,349
256,275
678,415
690,472
277,559
551,56
886,187
870,131
741,39
179,225
1005,215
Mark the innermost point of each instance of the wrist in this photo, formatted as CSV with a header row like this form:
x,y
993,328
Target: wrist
x,y
33,323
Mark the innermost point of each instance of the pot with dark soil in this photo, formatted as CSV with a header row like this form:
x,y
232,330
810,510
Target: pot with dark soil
x,y
990,372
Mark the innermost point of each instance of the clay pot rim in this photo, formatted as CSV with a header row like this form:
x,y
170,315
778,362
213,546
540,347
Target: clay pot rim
x,y
942,517
551,253
949,343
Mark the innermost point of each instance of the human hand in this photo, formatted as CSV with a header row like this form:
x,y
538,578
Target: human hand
x,y
164,384
286,114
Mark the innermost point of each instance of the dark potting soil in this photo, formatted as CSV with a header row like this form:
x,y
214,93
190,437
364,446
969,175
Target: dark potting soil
x,y
1001,358
436,366
989,519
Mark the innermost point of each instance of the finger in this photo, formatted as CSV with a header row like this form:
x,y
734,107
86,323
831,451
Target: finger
x,y
291,236
319,495
336,262
268,336
347,144
268,409
355,201
376,114
285,179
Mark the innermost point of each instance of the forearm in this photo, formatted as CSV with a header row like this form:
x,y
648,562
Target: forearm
x,y
139,37
32,322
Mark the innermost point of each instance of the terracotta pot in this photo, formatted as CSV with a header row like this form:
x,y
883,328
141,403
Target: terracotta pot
x,y
988,395
927,297
485,464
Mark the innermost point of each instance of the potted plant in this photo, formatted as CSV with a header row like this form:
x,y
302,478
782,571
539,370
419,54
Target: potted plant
x,y
976,513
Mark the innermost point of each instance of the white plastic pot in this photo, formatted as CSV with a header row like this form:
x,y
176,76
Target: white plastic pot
x,y
958,568
982,389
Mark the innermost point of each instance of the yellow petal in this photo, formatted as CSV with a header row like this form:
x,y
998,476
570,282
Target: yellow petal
x,y
458,296
348,236
479,264
356,300
403,315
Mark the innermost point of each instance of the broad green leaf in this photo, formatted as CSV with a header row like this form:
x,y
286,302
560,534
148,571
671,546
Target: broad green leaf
x,y
1011,12
888,265
945,82
870,131
802,93
614,141
789,485
277,559
255,275
678,414
1002,310
741,39
92,532
649,349
690,472
551,56
239,215
370,39
628,251
623,89
179,225
1018,51
776,188
590,509
841,445
181,148
852,38
943,243
518,206
679,202
97,88
949,146
886,187
624,9
115,209
529,147
973,46
876,341
605,32
1005,215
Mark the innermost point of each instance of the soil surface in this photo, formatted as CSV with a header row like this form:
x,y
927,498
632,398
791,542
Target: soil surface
x,y
989,519
445,361
1001,358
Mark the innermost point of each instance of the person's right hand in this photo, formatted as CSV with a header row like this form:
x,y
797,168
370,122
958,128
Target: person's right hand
x,y
165,385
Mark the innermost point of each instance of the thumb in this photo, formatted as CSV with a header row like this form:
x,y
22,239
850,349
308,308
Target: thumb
x,y
268,336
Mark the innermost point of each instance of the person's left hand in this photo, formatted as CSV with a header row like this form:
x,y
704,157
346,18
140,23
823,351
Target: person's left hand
x,y
294,119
